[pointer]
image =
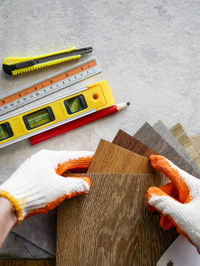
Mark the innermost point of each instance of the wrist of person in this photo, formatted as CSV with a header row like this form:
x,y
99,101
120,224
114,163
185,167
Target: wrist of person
x,y
8,218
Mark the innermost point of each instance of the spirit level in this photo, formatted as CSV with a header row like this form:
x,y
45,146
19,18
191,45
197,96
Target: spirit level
x,y
74,105
51,84
77,123
19,65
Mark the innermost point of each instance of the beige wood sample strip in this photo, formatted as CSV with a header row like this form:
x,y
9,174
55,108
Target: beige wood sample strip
x,y
110,225
184,140
110,158
196,142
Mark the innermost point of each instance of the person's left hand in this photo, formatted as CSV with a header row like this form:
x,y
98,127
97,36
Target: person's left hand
x,y
37,185
178,201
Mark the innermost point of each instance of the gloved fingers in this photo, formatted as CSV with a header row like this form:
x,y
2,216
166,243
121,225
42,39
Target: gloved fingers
x,y
160,201
64,188
72,186
166,223
170,189
178,177
72,160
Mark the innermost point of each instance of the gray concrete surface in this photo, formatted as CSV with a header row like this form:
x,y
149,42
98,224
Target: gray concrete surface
x,y
148,50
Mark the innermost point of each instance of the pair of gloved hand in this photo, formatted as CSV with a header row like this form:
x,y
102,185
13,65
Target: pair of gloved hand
x,y
37,187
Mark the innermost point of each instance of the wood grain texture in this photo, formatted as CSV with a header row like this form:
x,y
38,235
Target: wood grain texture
x,y
147,135
110,225
179,133
196,143
125,140
167,135
110,158
27,263
130,143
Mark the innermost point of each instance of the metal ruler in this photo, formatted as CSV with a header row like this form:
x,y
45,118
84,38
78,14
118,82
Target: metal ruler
x,y
50,85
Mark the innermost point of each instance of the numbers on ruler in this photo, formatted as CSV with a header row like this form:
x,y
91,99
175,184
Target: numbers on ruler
x,y
42,91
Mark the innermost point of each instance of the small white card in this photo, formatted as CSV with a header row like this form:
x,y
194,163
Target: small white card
x,y
180,253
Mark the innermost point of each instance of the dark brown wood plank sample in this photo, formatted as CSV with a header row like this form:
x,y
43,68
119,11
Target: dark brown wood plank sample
x,y
27,263
110,158
110,225
147,135
130,143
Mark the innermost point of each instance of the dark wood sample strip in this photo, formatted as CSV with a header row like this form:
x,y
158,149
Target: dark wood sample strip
x,y
130,143
147,135
110,225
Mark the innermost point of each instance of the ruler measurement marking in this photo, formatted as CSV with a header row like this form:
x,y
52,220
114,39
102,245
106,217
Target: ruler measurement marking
x,y
55,83
45,83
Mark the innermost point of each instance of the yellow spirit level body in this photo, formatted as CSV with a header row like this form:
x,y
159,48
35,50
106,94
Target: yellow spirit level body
x,y
66,109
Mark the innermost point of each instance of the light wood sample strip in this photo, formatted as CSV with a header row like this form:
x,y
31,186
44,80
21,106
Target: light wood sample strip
x,y
110,225
184,140
167,135
147,135
110,158
196,143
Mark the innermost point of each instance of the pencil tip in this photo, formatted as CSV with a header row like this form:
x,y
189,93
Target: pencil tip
x,y
128,103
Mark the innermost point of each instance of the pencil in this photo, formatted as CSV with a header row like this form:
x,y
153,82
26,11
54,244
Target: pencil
x,y
77,123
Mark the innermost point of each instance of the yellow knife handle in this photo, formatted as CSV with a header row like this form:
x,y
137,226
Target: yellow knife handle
x,y
19,65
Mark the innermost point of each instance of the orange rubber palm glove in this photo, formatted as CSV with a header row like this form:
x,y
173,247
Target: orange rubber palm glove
x,y
178,202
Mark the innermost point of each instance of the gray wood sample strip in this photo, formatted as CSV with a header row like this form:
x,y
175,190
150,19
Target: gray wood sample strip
x,y
16,247
151,138
167,135
40,230
29,262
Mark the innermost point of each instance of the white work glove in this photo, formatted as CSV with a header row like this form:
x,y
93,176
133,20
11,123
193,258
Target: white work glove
x,y
37,187
178,201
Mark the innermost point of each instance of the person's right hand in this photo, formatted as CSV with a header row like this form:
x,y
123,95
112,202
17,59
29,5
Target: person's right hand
x,y
37,185
178,201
